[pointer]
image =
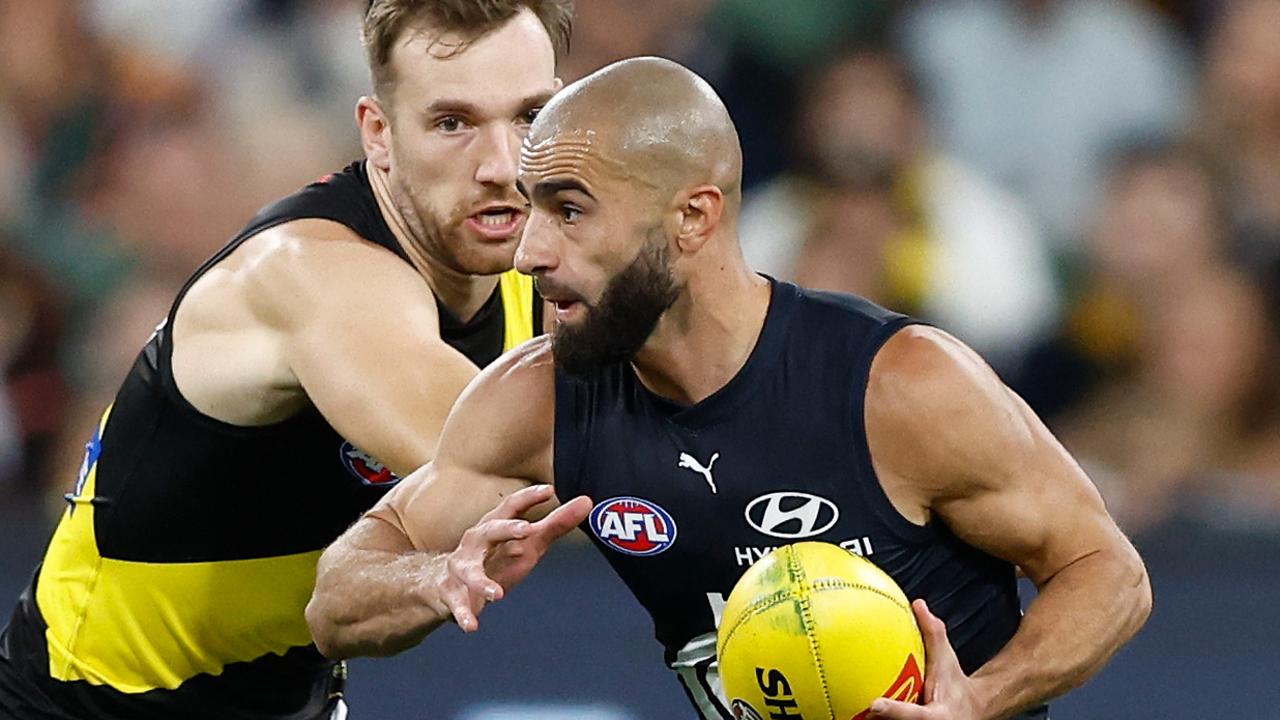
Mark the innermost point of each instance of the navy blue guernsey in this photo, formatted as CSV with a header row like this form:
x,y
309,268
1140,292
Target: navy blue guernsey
x,y
687,497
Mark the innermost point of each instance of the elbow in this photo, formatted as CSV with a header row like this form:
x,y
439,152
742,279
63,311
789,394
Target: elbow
x,y
322,616
1145,598
1141,596
324,630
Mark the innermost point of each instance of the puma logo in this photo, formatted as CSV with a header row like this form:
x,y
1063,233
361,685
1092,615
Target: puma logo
x,y
689,462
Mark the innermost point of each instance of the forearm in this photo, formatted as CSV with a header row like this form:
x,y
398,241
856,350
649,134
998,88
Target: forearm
x,y
374,602
1080,619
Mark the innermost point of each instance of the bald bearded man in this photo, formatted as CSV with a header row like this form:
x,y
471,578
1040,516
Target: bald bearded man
x,y
691,398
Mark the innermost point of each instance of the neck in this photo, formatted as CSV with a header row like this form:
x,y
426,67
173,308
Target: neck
x,y
462,293
704,340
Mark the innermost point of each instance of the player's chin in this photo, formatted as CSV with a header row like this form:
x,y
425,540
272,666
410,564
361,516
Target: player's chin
x,y
488,256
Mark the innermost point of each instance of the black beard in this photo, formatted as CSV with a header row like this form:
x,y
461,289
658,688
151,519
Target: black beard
x,y
615,327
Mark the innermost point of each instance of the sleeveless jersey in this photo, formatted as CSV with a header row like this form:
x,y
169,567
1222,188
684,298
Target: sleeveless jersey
x,y
175,583
688,497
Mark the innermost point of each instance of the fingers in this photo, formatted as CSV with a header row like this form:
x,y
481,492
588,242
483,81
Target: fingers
x,y
562,520
489,533
942,665
937,647
897,710
458,600
508,546
520,502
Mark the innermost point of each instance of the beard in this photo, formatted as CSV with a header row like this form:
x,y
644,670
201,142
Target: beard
x,y
619,323
448,240
442,233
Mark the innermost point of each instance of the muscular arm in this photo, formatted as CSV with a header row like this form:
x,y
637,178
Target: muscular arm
x,y
451,536
309,313
948,438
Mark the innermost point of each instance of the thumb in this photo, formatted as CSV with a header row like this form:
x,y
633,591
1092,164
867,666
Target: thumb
x,y
942,665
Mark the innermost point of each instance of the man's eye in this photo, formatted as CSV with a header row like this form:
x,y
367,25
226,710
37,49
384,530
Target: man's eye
x,y
570,213
530,116
450,124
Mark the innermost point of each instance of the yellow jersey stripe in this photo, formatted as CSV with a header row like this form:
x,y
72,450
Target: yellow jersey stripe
x,y
518,298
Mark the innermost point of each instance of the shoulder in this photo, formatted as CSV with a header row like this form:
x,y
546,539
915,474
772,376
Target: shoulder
x,y
504,420
834,305
850,325
921,360
290,272
525,374
935,410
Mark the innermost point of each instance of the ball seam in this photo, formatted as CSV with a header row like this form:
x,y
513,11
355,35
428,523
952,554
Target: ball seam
x,y
838,584
752,610
806,615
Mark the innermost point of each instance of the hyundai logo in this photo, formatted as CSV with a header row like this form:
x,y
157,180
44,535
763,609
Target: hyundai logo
x,y
792,515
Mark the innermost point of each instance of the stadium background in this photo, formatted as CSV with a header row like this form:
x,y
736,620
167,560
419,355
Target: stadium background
x,y
1086,191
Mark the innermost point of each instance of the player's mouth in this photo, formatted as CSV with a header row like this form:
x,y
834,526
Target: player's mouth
x,y
497,222
567,310
566,306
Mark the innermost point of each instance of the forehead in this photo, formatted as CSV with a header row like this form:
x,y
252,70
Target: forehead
x,y
589,153
573,152
428,65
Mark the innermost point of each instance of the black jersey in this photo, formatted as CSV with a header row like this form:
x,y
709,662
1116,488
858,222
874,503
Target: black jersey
x,y
175,583
688,497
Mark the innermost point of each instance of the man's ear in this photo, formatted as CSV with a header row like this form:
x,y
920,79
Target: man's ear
x,y
700,211
375,132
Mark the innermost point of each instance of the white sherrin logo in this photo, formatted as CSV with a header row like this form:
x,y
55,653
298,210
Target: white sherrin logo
x,y
690,462
792,515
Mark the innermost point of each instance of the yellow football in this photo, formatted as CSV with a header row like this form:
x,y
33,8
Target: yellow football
x,y
813,631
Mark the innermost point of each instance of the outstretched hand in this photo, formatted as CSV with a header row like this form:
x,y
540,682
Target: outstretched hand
x,y
501,549
948,692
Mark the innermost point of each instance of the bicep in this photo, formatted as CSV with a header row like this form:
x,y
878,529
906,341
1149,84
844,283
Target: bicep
x,y
385,387
1029,503
969,450
358,331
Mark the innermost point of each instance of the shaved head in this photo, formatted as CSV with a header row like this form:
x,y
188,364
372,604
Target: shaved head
x,y
661,122
634,174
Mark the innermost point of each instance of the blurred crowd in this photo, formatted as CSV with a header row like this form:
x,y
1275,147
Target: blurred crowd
x,y
1086,191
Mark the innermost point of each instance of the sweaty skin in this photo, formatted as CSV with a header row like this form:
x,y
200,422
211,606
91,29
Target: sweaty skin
x,y
292,314
947,439
667,132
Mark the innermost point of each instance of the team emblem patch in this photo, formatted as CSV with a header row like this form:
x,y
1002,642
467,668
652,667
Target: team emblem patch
x,y
92,451
365,468
633,526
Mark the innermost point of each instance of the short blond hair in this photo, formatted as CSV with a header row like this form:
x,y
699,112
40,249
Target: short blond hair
x,y
386,21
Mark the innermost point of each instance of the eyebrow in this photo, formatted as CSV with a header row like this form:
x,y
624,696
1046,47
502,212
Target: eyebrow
x,y
547,188
465,107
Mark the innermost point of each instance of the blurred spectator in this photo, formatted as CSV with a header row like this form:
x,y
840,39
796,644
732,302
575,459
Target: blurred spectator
x,y
1169,346
798,35
872,208
1034,92
1239,122
33,392
1157,227
65,95
136,155
605,31
1195,424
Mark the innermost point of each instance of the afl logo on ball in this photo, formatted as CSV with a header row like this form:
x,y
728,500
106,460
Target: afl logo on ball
x,y
365,468
633,526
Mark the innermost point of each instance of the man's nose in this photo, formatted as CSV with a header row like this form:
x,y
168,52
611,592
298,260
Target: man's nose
x,y
499,156
536,252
